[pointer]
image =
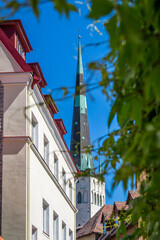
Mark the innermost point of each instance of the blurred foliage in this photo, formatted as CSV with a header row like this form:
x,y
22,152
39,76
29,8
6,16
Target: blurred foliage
x,y
9,7
134,30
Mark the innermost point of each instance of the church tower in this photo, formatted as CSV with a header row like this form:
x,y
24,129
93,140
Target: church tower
x,y
90,191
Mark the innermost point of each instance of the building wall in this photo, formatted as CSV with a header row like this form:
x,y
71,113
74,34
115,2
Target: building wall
x,y
43,187
42,180
14,157
26,179
14,190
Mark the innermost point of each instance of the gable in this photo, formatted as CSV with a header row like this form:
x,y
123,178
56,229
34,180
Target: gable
x,y
8,63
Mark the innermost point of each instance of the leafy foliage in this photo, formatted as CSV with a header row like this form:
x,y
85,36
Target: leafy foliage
x,y
134,30
9,7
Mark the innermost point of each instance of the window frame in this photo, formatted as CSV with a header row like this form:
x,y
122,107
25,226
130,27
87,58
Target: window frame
x,y
55,226
45,217
64,235
34,130
35,233
46,149
56,167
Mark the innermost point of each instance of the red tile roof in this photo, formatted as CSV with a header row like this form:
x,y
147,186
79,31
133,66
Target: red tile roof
x,y
94,225
120,205
134,193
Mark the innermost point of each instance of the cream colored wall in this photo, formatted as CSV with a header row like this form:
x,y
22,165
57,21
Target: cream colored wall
x,y
8,64
14,110
42,187
53,146
41,184
14,191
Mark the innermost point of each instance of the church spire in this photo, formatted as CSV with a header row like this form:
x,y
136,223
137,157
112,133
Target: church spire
x,y
80,138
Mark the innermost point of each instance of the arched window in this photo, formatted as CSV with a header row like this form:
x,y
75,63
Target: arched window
x,y
79,197
98,199
95,202
85,196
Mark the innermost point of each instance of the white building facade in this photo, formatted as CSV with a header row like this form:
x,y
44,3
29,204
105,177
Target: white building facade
x,y
38,186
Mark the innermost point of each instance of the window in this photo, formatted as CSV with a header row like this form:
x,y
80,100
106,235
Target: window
x,y
95,202
34,130
70,234
45,217
63,231
34,233
79,197
85,196
55,226
94,185
46,150
98,199
55,166
20,49
70,190
64,180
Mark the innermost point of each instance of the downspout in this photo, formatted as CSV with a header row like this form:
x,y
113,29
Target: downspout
x,y
76,180
29,92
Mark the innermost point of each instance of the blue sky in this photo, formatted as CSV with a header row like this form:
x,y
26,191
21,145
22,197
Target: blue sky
x,y
54,39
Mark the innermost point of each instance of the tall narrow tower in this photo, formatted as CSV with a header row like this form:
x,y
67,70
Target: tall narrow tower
x,y
90,191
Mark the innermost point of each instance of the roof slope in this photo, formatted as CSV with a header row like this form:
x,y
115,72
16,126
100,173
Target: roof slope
x,y
94,225
120,205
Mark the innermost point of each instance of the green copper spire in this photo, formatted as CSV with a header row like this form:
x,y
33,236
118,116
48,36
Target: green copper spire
x,y
79,62
80,138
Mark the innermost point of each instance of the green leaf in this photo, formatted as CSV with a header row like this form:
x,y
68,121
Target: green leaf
x,y
155,82
34,5
101,8
113,112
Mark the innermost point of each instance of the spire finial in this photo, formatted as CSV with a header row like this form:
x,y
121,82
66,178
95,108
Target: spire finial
x,y
79,62
79,36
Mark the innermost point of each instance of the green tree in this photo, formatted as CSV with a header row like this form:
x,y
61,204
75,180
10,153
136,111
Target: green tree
x,y
134,30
